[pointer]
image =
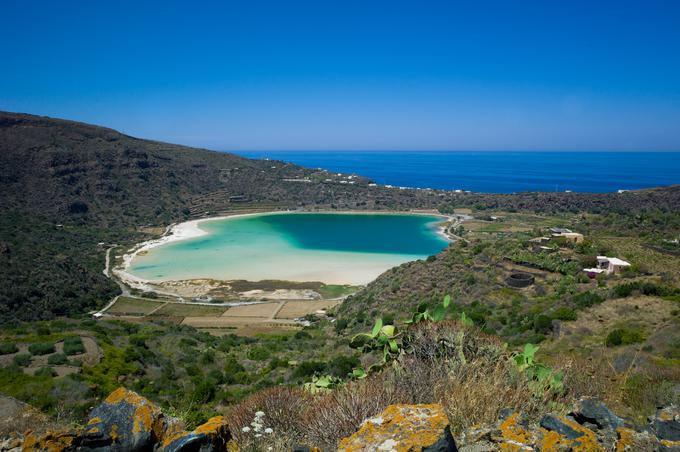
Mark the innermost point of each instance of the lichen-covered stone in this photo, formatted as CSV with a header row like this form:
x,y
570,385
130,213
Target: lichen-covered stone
x,y
563,433
125,421
629,440
212,436
61,441
595,412
666,423
403,428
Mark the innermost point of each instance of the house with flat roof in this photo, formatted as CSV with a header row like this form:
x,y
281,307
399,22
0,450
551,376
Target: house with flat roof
x,y
611,264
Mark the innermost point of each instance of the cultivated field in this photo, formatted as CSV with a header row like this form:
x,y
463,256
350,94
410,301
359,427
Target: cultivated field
x,y
247,319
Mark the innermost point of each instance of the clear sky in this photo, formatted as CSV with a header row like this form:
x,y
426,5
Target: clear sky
x,y
232,75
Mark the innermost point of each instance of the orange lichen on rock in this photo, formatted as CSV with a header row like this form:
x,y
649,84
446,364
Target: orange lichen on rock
x,y
515,436
401,428
585,442
50,442
213,426
626,439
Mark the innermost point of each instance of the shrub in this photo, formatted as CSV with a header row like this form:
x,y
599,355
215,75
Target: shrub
x,y
623,336
73,345
232,366
57,359
208,357
204,391
276,362
341,366
542,323
43,331
308,368
41,348
22,359
625,290
258,354
587,299
45,372
7,347
340,325
564,313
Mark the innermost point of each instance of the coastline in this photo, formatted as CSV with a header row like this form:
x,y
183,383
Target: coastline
x,y
191,229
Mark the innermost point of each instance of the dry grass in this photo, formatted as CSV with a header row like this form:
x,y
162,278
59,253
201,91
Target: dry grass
x,y
283,408
339,413
477,392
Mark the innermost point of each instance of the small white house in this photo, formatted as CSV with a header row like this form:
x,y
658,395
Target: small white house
x,y
611,264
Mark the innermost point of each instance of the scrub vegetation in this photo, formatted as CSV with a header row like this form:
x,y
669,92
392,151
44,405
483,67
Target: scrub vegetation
x,y
71,191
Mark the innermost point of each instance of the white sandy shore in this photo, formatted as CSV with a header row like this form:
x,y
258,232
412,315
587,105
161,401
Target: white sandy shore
x,y
191,229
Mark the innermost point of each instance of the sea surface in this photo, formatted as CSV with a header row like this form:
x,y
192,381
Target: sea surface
x,y
497,171
326,247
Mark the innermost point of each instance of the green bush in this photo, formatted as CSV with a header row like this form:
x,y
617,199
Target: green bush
x,y
624,290
542,323
41,348
341,366
45,372
623,336
258,354
340,325
22,359
73,345
308,368
587,299
58,359
564,313
7,347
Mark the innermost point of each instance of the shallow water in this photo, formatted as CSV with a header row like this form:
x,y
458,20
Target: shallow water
x,y
331,248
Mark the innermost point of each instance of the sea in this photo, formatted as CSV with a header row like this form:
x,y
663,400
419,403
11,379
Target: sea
x,y
496,171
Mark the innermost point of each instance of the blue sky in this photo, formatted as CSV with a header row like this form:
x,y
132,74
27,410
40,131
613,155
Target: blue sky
x,y
516,75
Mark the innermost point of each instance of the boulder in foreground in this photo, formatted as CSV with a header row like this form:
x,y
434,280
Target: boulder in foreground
x,y
403,428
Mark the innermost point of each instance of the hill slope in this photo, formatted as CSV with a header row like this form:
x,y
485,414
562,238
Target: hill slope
x,y
67,186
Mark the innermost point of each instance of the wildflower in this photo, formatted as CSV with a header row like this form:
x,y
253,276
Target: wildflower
x,y
245,429
259,414
258,435
268,430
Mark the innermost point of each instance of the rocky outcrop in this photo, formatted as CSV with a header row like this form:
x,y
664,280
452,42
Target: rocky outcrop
x,y
403,428
126,421
589,427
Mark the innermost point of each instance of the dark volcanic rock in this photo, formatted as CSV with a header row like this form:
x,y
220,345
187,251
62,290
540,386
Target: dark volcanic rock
x,y
555,424
666,423
125,421
212,436
595,412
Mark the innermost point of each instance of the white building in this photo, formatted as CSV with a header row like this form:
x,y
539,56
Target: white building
x,y
611,264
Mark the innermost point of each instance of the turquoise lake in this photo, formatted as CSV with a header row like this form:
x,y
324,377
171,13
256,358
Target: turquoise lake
x,y
326,247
